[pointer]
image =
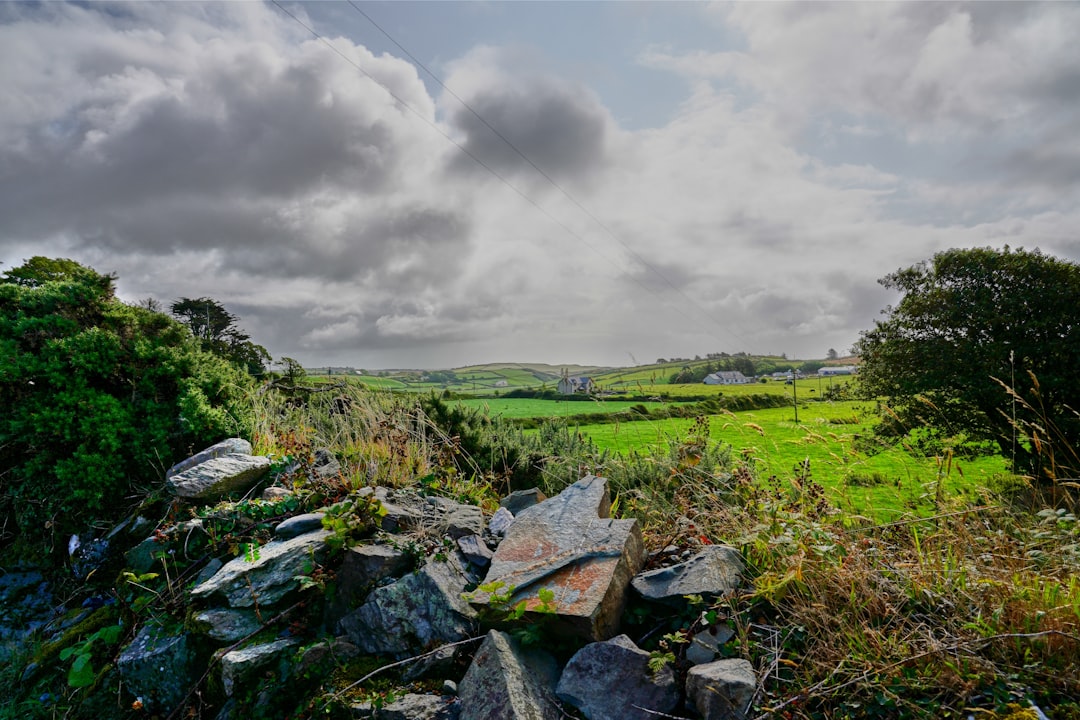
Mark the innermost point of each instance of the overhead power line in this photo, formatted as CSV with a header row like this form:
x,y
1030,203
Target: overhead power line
x,y
509,143
570,231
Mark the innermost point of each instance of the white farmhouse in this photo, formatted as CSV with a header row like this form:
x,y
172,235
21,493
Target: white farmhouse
x,y
726,377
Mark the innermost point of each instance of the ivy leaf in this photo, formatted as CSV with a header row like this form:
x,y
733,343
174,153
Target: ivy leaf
x,y
81,673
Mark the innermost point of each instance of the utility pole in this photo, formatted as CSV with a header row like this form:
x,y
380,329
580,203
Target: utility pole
x,y
794,394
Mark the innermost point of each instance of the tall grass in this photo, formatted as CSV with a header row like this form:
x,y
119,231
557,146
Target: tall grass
x,y
974,610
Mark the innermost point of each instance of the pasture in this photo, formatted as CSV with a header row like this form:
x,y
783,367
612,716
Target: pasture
x,y
834,438
533,408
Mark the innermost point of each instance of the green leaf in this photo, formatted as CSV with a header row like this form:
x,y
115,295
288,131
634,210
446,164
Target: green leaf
x,y
81,673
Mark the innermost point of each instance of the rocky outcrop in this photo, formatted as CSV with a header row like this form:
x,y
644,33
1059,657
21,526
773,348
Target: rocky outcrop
x,y
240,666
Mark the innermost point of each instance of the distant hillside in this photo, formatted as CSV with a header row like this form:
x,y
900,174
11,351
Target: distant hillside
x,y
493,378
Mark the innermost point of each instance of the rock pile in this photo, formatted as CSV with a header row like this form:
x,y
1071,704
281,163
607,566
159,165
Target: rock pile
x,y
419,589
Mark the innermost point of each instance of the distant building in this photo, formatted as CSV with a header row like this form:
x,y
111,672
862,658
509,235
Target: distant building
x,y
726,377
572,385
838,370
501,383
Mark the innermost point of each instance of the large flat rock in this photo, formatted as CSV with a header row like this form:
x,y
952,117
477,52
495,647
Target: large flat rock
x,y
267,578
219,476
569,546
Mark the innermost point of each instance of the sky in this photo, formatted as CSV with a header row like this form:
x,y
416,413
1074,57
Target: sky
x,y
431,185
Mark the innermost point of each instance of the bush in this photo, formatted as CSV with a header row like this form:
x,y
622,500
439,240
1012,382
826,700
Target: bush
x,y
99,398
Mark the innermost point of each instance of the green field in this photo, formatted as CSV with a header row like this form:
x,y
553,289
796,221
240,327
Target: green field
x,y
532,408
805,389
882,484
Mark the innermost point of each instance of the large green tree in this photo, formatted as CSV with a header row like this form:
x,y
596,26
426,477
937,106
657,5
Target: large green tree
x,y
972,327
98,398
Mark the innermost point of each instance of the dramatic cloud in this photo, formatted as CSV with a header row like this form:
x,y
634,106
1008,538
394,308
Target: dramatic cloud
x,y
331,196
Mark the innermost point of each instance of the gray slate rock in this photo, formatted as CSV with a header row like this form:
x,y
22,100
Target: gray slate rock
x,y
518,500
276,492
239,666
320,659
418,611
715,570
721,690
226,625
158,668
219,476
500,522
475,550
269,577
611,681
411,707
706,643
504,682
231,446
363,568
299,525
568,545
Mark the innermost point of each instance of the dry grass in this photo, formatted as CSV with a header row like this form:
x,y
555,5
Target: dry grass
x,y
975,610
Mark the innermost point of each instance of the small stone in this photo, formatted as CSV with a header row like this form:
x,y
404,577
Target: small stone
x,y
299,524
721,690
238,666
508,683
518,500
475,550
219,476
276,492
228,626
500,522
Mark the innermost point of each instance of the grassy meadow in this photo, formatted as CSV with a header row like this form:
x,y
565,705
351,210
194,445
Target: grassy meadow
x,y
833,437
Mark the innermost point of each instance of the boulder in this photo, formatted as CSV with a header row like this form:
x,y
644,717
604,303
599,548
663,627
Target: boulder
x,y
714,571
418,611
159,668
721,690
267,578
238,667
231,446
219,476
508,683
569,546
611,680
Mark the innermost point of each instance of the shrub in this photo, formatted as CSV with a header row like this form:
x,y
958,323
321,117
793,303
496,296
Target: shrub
x,y
99,397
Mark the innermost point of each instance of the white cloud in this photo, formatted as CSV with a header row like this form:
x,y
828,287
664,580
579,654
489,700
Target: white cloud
x,y
221,150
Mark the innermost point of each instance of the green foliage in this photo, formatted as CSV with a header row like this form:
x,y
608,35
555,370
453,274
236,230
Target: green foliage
x,y
99,397
966,318
81,673
352,519
216,330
